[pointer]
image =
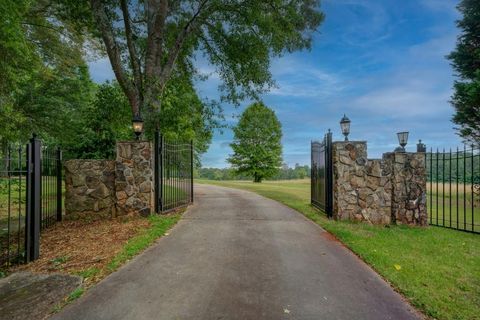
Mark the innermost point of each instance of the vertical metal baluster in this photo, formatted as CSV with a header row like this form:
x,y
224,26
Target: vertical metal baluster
x,y
464,187
9,205
46,181
443,187
478,174
450,186
436,183
175,175
457,176
431,184
19,222
161,179
191,171
472,193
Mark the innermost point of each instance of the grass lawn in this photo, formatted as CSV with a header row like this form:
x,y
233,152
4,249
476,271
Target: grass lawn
x,y
436,269
450,205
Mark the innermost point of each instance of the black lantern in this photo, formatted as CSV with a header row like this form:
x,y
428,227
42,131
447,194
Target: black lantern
x,y
402,140
137,122
345,126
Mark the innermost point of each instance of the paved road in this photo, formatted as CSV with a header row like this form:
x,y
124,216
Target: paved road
x,y
236,255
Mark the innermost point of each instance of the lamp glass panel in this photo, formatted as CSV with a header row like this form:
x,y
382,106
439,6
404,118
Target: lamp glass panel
x,y
402,138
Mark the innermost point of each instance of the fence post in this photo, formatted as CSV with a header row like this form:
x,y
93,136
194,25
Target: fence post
x,y
161,164
59,184
191,171
156,174
33,219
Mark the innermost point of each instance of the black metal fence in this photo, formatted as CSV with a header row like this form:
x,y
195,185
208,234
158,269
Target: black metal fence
x,y
30,199
453,188
322,174
173,174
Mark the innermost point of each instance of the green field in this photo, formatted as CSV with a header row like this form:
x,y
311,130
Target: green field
x,y
436,269
175,194
451,206
13,208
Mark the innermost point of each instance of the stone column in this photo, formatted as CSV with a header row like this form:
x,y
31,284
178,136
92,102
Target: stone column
x,y
349,160
361,190
134,182
408,174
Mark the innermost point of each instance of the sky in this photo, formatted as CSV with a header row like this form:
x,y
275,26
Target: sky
x,y
380,62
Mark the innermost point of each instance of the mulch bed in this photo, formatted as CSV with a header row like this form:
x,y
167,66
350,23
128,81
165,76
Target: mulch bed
x,y
76,246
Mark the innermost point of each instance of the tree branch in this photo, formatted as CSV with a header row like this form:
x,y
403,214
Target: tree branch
x,y
156,15
137,72
175,50
113,52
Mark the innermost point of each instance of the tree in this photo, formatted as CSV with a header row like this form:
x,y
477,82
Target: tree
x,y
466,62
149,42
257,148
43,72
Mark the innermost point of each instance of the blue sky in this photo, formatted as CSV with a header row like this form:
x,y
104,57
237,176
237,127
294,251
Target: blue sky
x,y
381,62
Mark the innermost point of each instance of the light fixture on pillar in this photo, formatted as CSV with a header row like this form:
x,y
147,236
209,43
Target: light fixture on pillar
x,y
402,140
345,126
137,122
421,147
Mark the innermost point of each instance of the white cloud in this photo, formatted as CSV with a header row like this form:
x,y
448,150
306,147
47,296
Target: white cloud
x,y
299,79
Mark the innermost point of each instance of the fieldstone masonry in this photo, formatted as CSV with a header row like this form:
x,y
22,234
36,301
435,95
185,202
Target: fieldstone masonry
x,y
90,188
391,190
108,188
409,182
134,183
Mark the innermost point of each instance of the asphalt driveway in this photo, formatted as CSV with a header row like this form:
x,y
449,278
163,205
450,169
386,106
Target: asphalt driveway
x,y
237,255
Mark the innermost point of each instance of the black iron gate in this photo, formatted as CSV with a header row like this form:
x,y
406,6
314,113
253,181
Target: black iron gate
x,y
322,174
453,188
173,174
30,199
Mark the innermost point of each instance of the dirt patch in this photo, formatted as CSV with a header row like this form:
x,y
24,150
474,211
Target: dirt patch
x,y
25,295
81,247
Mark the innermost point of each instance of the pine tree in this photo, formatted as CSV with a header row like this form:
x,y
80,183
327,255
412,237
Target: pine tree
x,y
466,62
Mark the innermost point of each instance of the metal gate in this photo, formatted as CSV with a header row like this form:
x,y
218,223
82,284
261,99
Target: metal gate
x,y
453,188
173,174
30,199
322,175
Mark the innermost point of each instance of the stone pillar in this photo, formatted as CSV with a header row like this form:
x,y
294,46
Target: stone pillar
x,y
349,160
90,188
362,192
134,182
408,174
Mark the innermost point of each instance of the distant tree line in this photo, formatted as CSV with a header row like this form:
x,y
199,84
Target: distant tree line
x,y
284,173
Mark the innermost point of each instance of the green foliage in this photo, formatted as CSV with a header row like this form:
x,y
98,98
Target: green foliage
x,y
257,147
99,124
88,273
44,78
159,225
284,173
466,62
157,43
184,116
75,294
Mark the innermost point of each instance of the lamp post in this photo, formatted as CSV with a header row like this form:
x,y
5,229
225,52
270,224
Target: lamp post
x,y
345,126
402,140
137,122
